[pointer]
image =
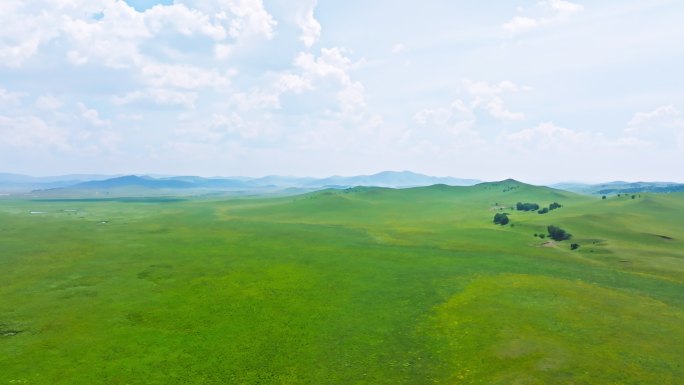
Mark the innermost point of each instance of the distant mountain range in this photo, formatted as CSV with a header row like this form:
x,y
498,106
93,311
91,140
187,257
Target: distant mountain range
x,y
394,179
620,187
96,184
20,183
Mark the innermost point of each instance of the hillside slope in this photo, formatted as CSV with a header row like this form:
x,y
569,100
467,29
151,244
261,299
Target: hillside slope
x,y
363,285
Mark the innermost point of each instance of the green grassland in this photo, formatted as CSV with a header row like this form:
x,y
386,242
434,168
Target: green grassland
x,y
359,286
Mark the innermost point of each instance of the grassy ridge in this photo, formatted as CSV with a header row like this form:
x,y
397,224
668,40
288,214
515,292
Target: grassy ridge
x,y
361,286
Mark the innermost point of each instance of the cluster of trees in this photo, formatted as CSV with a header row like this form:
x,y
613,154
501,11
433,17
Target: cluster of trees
x,y
501,219
526,206
555,205
534,206
552,206
558,234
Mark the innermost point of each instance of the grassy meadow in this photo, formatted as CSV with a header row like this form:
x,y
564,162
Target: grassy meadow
x,y
360,286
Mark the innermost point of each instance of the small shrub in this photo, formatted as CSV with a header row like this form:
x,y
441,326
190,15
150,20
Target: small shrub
x,y
542,236
555,205
574,246
543,211
603,197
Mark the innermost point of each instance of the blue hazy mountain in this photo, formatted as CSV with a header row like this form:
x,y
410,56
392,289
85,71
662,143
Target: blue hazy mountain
x,y
395,179
134,181
19,182
391,179
621,187
16,183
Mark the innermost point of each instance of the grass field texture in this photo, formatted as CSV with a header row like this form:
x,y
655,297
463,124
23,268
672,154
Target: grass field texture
x,y
358,286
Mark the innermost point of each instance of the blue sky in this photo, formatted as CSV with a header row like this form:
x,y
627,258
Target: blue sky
x,y
541,91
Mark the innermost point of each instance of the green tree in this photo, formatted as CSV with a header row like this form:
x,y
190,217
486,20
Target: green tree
x,y
501,219
526,206
558,234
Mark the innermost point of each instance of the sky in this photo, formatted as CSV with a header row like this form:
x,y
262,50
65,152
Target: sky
x,y
541,91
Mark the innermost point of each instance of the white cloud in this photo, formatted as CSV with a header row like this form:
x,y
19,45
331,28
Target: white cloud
x,y
562,7
181,19
460,117
488,97
9,99
183,76
456,118
31,132
455,124
554,11
23,33
292,82
484,96
159,96
115,38
311,28
268,97
668,117
333,63
664,125
549,137
398,48
48,103
223,127
521,23
91,116
223,51
252,19
256,100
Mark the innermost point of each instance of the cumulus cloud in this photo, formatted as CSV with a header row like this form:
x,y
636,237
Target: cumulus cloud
x,y
159,96
309,72
660,125
548,137
310,27
9,99
456,118
31,132
552,12
92,116
663,117
333,63
179,18
48,103
252,19
460,116
114,40
488,97
115,37
183,76
224,127
256,99
454,123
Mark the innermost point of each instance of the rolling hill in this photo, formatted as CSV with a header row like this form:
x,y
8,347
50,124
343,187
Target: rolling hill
x,y
365,285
